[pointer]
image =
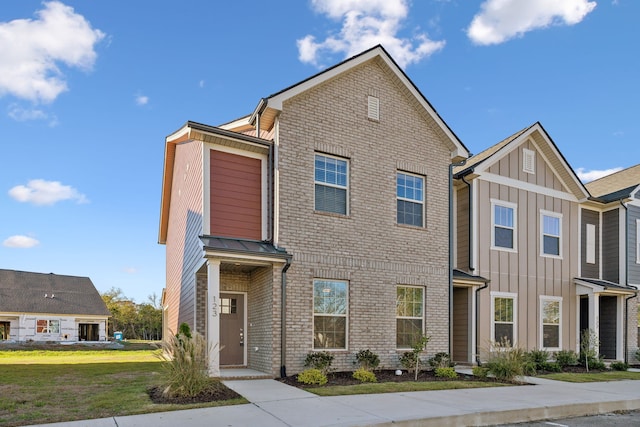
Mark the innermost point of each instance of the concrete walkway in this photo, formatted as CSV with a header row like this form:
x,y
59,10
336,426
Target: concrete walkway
x,y
274,404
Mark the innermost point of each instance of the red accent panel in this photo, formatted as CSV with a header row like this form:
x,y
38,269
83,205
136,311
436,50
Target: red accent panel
x,y
236,196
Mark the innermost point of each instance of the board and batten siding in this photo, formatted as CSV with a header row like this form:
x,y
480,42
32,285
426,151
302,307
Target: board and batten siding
x,y
184,248
590,270
462,228
236,196
611,245
633,215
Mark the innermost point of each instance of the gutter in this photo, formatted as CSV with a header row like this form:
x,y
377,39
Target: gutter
x,y
283,320
470,256
451,166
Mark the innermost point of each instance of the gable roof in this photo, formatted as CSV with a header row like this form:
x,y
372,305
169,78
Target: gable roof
x,y
554,158
268,108
26,292
616,186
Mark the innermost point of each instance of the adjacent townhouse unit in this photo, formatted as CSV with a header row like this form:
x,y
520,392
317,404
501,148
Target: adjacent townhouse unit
x,y
319,222
50,307
610,262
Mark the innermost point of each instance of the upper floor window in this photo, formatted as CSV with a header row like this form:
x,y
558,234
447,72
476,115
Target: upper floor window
x,y
409,315
331,182
330,307
550,316
410,199
550,237
46,326
503,218
528,161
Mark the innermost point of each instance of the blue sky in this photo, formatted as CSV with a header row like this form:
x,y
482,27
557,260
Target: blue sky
x,y
90,89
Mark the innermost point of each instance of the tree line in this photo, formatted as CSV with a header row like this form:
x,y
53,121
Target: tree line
x,y
135,321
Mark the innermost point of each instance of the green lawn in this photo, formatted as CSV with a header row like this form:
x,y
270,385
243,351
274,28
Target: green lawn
x,y
593,376
53,386
396,387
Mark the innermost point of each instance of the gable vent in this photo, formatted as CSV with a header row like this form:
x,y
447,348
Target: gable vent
x,y
373,110
528,161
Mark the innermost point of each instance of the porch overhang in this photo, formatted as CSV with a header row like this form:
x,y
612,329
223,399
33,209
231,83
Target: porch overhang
x,y
243,252
585,286
464,279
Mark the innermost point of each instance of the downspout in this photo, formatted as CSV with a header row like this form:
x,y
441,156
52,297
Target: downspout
x,y
283,320
626,278
451,166
471,268
478,322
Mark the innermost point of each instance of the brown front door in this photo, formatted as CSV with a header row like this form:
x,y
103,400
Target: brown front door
x,y
232,329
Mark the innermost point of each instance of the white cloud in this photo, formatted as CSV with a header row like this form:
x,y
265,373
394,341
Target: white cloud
x,y
142,100
20,242
587,176
20,114
33,49
130,270
41,192
366,23
501,20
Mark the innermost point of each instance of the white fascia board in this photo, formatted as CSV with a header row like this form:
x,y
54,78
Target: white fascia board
x,y
179,133
521,185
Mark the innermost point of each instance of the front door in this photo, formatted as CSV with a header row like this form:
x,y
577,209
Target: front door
x,y
232,329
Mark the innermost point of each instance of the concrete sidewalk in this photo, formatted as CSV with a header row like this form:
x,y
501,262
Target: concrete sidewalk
x,y
274,404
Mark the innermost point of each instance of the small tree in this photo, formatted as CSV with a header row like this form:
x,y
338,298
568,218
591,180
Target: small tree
x,y
411,359
589,347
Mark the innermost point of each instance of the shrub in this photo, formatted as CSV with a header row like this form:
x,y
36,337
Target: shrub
x,y
312,376
619,366
410,360
551,367
441,360
186,371
566,358
364,375
538,358
446,372
638,355
480,371
368,359
506,362
320,360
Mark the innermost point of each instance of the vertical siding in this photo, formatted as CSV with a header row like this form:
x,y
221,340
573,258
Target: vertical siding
x,y
462,228
460,326
183,246
633,214
611,245
590,270
236,196
608,326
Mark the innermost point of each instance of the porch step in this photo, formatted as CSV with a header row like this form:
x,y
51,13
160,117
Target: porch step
x,y
243,374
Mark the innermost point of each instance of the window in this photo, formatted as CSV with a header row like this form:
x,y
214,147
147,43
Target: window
x,y
591,244
550,315
504,219
528,161
637,241
409,315
44,326
331,184
330,314
504,314
410,198
550,226
228,305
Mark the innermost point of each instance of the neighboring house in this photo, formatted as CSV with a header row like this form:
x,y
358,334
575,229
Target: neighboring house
x,y
50,307
319,222
517,224
610,262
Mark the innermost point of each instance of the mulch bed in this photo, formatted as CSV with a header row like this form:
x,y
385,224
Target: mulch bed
x,y
217,392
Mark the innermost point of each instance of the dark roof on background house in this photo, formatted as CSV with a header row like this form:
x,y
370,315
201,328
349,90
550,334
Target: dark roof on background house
x,y
616,186
26,292
606,285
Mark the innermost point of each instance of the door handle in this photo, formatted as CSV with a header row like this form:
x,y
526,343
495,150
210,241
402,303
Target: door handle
x,y
241,337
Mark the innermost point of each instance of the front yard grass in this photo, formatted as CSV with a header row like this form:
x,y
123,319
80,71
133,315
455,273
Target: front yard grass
x,y
43,386
588,377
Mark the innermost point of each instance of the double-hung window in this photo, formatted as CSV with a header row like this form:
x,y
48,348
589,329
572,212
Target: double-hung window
x,y
409,315
504,220
410,199
330,310
550,237
331,184
550,316
47,326
503,322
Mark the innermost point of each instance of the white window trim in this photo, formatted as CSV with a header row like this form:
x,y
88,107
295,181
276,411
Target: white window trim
x,y
513,296
637,241
590,244
544,213
514,206
420,202
48,326
327,184
543,299
409,317
528,155
346,316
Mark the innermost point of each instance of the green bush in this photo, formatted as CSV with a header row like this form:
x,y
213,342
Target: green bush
x,y
538,358
408,360
638,355
506,362
566,358
320,360
551,367
619,366
365,375
186,371
446,372
441,360
480,371
368,359
312,376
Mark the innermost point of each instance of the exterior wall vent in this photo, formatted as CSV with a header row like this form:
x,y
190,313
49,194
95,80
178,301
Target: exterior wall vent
x,y
373,108
528,161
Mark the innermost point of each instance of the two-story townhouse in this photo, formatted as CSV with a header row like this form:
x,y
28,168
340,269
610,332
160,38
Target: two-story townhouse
x,y
517,210
320,222
610,262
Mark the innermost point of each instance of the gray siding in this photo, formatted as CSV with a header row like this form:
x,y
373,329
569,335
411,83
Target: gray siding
x,y
608,327
589,270
632,256
611,246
